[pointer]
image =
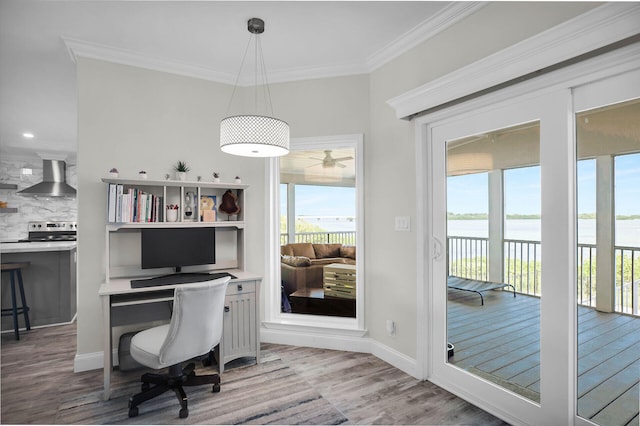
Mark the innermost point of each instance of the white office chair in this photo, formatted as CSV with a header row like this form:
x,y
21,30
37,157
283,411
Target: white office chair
x,y
195,328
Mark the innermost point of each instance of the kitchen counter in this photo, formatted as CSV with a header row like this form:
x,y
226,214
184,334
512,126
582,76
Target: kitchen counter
x,y
37,246
49,280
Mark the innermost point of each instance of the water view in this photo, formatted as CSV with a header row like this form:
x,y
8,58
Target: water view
x,y
627,231
330,223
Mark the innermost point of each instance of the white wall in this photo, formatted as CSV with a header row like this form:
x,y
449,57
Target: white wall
x,y
138,119
133,119
390,155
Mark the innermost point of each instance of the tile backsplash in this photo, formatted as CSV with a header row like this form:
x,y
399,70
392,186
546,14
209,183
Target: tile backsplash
x,y
13,226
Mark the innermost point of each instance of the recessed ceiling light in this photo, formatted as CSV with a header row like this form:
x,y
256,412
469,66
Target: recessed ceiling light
x,y
28,135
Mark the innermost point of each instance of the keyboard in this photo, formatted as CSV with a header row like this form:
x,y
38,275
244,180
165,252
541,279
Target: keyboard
x,y
174,279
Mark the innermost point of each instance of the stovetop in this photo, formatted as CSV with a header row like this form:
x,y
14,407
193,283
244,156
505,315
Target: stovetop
x,y
51,231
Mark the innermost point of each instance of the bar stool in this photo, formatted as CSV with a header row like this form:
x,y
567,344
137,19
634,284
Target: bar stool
x,y
15,269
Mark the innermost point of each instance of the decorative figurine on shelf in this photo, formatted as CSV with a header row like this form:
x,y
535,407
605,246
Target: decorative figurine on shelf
x,y
216,177
181,169
166,176
238,180
142,174
113,173
229,203
189,200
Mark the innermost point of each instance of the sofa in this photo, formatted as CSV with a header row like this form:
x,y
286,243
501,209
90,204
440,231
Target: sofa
x,y
302,264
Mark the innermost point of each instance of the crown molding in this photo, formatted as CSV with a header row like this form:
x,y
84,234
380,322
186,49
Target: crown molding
x,y
594,29
310,73
80,48
425,30
422,32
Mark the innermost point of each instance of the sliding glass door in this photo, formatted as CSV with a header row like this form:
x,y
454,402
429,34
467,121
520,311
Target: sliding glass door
x,y
534,253
494,256
607,121
499,273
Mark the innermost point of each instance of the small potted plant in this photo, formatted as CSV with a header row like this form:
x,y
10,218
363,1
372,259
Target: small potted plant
x,y
216,177
238,180
172,212
113,173
142,174
181,169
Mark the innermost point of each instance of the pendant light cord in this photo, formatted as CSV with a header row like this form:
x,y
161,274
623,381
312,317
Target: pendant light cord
x,y
235,85
266,87
260,68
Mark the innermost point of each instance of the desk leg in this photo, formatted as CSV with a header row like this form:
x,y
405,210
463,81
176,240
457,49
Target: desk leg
x,y
106,344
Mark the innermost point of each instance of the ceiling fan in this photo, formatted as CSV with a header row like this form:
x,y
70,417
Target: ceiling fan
x,y
328,162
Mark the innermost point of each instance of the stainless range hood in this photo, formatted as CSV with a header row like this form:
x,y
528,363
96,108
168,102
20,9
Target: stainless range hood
x,y
53,182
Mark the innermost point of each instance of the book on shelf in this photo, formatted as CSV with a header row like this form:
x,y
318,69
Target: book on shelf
x,y
134,205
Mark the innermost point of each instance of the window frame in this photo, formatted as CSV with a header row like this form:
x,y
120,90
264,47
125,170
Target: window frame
x,y
276,322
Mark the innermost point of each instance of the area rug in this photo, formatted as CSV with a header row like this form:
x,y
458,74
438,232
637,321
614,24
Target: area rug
x,y
268,393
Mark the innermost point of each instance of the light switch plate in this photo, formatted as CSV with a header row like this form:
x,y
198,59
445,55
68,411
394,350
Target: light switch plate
x,y
403,223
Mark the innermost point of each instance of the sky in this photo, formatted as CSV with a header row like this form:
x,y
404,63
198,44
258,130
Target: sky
x,y
314,200
468,193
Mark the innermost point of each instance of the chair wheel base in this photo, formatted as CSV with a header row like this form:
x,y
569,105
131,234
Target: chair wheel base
x,y
133,412
215,388
184,413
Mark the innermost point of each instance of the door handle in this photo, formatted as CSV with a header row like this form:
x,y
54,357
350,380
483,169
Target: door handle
x,y
437,248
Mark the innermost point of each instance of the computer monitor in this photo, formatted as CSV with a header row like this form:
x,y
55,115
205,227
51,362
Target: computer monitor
x,y
177,247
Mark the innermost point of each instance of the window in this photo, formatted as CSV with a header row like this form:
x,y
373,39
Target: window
x,y
319,221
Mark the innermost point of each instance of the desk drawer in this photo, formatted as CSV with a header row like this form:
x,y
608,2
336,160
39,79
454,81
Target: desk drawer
x,y
241,287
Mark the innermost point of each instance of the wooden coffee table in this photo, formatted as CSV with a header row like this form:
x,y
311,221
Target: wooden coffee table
x,y
313,301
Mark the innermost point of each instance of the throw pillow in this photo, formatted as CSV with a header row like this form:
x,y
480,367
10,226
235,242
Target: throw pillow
x,y
348,252
327,250
303,249
295,260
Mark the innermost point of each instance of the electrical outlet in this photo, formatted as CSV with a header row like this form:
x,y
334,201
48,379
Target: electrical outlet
x,y
391,327
403,223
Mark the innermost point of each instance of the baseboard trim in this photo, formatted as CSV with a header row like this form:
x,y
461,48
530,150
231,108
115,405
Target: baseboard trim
x,y
40,326
88,362
92,361
95,360
342,343
397,359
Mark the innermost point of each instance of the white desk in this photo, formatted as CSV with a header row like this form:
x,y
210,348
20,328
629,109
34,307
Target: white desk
x,y
241,316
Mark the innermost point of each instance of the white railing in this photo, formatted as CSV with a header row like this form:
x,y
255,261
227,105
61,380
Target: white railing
x,y
347,238
522,265
468,257
627,280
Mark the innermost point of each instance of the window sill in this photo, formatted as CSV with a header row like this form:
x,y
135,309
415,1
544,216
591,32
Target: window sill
x,y
316,324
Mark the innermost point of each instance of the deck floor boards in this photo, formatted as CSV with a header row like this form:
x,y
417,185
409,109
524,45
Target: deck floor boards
x,y
500,341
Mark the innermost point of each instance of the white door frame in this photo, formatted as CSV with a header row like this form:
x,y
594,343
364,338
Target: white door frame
x,y
559,168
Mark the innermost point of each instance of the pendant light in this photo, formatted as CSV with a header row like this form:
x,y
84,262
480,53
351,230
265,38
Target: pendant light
x,y
255,135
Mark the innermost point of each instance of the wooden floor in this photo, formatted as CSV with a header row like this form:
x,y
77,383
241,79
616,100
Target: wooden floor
x,y
292,385
500,341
